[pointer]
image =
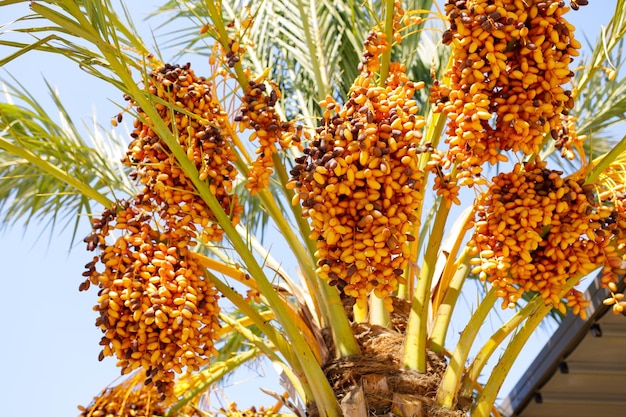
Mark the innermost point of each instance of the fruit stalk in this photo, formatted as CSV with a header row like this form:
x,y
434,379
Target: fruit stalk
x,y
417,332
488,396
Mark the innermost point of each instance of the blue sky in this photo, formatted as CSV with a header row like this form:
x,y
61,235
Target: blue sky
x,y
49,344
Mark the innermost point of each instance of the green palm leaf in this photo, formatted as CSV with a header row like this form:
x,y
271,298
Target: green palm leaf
x,y
602,87
312,48
600,101
48,172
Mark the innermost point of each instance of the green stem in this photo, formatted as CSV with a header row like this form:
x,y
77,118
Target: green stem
x,y
46,167
275,337
281,173
345,343
445,310
386,55
214,373
306,261
378,312
479,362
417,332
360,312
405,289
268,351
606,160
323,393
433,133
223,39
487,397
449,386
331,306
303,257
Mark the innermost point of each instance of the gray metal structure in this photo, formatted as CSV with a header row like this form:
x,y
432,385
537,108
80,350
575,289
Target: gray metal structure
x,y
580,372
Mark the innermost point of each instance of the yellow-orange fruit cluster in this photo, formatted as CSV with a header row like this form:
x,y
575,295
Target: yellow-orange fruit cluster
x,y
568,139
616,299
131,398
125,400
535,230
155,309
203,138
375,45
359,183
233,411
506,92
258,113
614,270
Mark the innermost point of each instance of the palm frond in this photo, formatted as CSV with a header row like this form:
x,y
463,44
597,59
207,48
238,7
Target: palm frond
x,y
288,41
256,219
599,94
601,86
188,38
88,33
602,103
48,172
311,48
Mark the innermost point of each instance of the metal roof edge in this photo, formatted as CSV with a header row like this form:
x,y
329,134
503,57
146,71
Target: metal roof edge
x,y
568,335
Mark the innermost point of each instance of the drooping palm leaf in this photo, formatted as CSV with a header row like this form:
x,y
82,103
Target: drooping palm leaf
x,y
62,174
55,173
601,99
600,93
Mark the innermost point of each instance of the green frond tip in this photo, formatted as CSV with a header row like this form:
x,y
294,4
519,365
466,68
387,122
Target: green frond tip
x,y
617,152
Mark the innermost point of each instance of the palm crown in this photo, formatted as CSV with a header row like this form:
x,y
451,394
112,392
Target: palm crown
x,y
367,123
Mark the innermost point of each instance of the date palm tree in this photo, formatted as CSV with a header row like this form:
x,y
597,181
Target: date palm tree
x,y
354,129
